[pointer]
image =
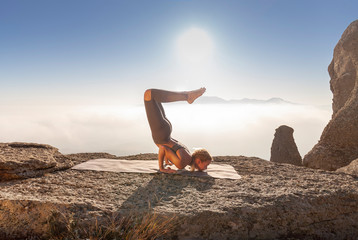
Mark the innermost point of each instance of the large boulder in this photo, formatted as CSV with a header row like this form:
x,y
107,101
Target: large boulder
x,y
343,68
338,145
24,160
284,149
351,169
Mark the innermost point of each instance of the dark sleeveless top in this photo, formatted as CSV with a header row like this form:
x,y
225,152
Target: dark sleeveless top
x,y
178,145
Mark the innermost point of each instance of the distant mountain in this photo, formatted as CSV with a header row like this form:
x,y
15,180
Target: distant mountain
x,y
210,99
217,100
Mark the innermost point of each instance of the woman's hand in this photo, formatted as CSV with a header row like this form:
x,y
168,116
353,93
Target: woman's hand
x,y
168,170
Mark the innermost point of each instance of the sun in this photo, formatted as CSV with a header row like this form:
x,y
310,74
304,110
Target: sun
x,y
194,46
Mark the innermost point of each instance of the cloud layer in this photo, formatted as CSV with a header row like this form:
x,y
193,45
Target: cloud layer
x,y
224,129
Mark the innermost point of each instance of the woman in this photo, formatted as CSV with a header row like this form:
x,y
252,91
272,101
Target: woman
x,y
170,150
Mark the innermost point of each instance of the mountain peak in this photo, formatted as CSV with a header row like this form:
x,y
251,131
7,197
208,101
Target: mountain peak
x,y
218,100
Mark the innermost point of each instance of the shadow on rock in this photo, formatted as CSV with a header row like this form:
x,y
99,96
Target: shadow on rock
x,y
165,189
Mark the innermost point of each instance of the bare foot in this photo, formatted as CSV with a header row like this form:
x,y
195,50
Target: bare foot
x,y
193,95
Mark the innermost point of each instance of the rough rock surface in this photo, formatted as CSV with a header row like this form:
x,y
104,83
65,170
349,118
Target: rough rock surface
x,y
338,145
343,67
271,201
24,160
284,149
352,168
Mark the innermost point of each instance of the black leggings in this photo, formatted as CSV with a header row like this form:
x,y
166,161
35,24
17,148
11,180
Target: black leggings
x,y
159,124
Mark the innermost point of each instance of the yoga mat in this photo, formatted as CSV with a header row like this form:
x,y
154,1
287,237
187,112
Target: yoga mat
x,y
151,166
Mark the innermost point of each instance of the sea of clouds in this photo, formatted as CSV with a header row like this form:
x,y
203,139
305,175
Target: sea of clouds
x,y
224,129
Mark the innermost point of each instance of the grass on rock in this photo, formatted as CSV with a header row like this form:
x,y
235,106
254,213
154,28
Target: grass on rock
x,y
146,226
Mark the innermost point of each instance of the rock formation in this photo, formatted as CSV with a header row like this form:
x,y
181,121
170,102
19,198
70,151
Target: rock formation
x,y
338,144
284,149
270,201
351,169
24,160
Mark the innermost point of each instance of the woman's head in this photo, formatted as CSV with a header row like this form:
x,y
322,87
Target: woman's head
x,y
201,158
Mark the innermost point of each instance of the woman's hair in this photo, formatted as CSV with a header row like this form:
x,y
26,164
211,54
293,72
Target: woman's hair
x,y
202,154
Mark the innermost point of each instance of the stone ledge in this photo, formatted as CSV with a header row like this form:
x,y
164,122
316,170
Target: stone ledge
x,y
24,160
271,201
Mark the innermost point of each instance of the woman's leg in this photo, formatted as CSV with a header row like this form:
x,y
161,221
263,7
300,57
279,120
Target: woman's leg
x,y
165,96
159,125
164,116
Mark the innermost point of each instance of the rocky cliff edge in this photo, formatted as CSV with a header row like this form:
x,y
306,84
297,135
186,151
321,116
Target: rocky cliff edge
x,y
271,201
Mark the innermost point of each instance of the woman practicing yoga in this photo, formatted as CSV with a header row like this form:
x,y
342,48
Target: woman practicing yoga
x,y
170,150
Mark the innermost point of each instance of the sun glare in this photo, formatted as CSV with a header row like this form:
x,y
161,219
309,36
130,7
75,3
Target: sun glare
x,y
194,46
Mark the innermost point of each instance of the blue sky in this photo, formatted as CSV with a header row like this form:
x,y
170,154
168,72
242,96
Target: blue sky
x,y
73,72
68,52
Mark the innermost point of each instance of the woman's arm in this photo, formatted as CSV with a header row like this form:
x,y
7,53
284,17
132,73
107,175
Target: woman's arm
x,y
161,156
167,162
